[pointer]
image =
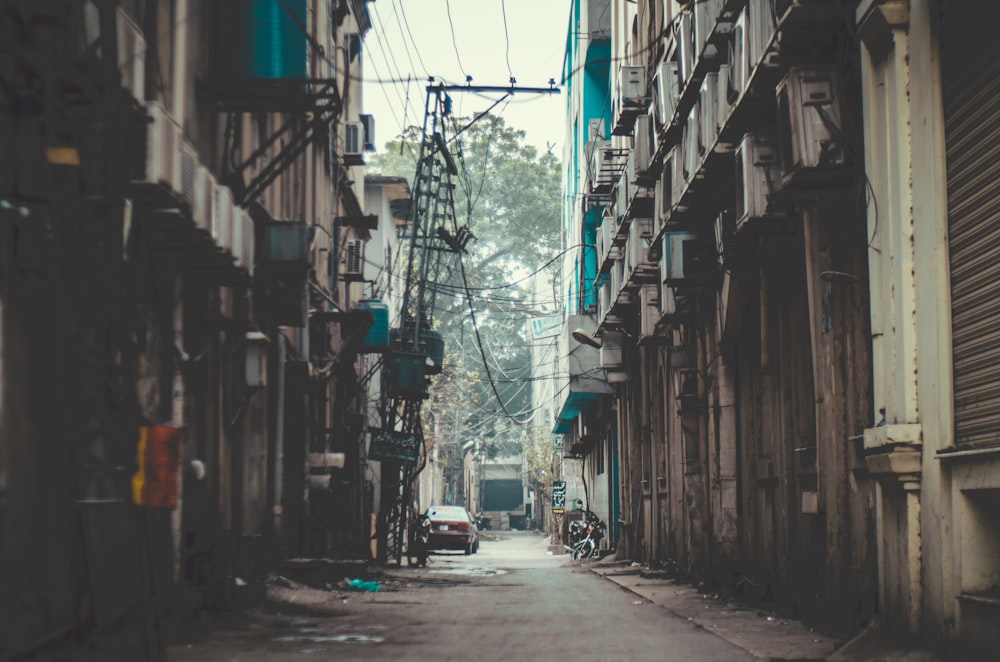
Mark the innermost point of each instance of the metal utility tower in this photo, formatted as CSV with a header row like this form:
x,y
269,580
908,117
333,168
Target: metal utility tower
x,y
436,239
436,244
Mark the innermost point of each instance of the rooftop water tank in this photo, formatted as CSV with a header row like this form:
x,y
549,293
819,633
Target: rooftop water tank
x,y
377,338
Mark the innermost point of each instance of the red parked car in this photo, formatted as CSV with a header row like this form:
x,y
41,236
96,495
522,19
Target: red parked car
x,y
452,527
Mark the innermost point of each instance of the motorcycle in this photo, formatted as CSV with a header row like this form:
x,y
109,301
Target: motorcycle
x,y
585,536
420,533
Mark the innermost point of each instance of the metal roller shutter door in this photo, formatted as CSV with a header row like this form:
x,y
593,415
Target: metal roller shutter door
x,y
971,83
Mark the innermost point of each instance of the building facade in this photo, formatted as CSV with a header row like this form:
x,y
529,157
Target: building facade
x,y
181,273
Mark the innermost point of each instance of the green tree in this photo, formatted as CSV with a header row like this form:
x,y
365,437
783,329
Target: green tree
x,y
509,194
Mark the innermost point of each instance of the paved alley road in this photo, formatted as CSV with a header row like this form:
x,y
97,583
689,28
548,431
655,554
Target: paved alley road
x,y
511,601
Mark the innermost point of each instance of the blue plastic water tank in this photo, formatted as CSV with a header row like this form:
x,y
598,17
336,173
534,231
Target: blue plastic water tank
x,y
276,45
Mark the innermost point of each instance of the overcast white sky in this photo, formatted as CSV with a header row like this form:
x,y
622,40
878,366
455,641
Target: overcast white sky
x,y
536,34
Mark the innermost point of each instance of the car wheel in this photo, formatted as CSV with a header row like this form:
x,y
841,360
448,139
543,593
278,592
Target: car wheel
x,y
468,549
475,546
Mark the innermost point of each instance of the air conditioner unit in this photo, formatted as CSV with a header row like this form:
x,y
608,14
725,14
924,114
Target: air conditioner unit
x,y
808,122
734,251
679,183
632,86
131,55
643,143
670,304
692,151
604,300
612,350
222,218
354,257
739,60
354,138
368,124
722,98
686,57
708,117
245,249
761,24
706,15
688,260
757,176
617,280
649,310
665,190
640,236
666,92
621,198
186,170
204,199
237,234
602,166
161,146
595,130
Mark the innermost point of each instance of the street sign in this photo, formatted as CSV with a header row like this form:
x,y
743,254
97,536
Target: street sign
x,y
559,497
393,445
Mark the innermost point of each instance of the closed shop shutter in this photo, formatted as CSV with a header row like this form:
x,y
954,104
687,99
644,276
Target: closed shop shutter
x,y
971,86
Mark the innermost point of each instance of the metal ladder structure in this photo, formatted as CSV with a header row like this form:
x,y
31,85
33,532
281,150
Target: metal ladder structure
x,y
435,243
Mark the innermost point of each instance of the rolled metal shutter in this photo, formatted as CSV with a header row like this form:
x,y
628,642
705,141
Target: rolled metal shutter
x,y
971,86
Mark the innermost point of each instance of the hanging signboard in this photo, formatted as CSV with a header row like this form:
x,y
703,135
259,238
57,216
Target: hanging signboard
x,y
559,497
393,445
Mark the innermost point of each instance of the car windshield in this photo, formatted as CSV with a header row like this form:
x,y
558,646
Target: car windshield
x,y
448,512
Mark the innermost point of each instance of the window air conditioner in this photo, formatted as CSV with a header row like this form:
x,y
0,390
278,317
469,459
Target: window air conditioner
x,y
161,146
808,122
756,179
368,125
354,135
686,57
245,255
666,92
709,114
649,310
665,190
131,55
204,197
739,63
643,143
632,86
722,98
595,130
354,260
222,218
186,171
688,260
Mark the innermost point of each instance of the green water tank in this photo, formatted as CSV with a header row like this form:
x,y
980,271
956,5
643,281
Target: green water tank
x,y
263,46
377,338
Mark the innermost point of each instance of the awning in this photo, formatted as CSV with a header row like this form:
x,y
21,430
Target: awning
x,y
576,403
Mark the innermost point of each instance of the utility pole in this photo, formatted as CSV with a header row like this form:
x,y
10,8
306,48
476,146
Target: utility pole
x,y
437,241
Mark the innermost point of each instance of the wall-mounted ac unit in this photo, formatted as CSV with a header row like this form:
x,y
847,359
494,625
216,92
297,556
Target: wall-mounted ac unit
x,y
643,142
621,198
692,136
671,304
131,55
734,251
809,122
245,253
679,183
632,86
612,350
222,218
186,170
354,138
595,130
602,171
161,146
603,300
368,125
649,310
666,92
354,257
640,237
739,62
686,56
688,260
706,15
709,113
757,177
722,98
761,24
237,234
204,197
665,191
